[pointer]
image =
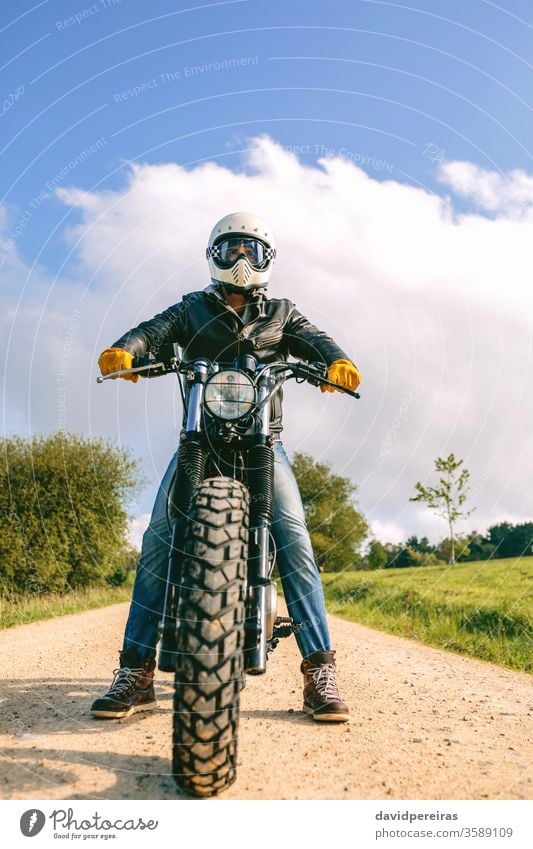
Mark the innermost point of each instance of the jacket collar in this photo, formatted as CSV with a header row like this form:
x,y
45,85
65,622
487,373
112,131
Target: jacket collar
x,y
258,300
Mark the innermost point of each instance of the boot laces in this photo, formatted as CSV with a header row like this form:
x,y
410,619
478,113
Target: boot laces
x,y
124,680
324,679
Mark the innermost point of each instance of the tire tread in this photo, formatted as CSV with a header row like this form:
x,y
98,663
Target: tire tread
x,y
210,638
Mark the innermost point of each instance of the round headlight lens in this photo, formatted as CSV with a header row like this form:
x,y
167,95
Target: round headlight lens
x,y
229,395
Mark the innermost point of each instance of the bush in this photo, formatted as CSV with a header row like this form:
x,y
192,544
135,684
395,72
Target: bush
x,y
405,556
63,522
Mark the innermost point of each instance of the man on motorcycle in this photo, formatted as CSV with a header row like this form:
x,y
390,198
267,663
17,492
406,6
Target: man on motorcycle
x,y
233,315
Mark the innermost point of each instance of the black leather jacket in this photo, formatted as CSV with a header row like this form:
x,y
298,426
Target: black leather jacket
x,y
204,325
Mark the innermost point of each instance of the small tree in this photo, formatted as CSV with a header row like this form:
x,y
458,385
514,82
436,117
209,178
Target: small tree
x,y
336,528
448,497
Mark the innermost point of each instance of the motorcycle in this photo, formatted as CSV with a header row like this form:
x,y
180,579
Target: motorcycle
x,y
220,618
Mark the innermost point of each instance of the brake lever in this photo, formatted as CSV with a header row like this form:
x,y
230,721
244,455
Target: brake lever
x,y
136,370
314,374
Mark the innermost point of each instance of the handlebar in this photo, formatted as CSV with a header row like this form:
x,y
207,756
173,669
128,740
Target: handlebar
x,y
314,373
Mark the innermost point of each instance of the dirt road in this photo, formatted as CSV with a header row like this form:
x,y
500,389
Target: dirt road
x,y
425,724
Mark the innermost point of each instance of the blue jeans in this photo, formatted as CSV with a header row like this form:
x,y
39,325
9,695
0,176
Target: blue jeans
x,y
299,573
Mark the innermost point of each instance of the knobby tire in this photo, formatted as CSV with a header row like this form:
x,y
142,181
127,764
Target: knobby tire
x,y
210,638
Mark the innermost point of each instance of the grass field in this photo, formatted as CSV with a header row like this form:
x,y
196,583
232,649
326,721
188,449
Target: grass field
x,y
19,610
483,609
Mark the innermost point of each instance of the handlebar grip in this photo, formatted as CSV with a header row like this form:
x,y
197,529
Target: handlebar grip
x,y
323,370
315,373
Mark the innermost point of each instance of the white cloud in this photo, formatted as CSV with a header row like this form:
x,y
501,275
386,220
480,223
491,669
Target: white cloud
x,y
136,529
389,531
434,306
508,194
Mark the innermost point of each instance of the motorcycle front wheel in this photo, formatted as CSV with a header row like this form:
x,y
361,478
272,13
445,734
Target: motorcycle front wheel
x,y
210,638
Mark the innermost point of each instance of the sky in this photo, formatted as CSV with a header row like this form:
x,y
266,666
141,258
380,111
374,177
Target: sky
x,y
388,146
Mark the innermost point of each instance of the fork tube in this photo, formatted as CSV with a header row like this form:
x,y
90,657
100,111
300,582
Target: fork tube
x,y
261,485
194,411
264,388
255,645
190,471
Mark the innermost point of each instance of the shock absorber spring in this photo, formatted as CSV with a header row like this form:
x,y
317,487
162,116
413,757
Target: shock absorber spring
x,y
260,473
189,474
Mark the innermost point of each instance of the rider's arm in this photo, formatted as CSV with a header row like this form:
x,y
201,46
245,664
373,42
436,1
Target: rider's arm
x,y
305,341
167,326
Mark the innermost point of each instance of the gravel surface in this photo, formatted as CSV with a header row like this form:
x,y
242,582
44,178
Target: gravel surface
x,y
425,724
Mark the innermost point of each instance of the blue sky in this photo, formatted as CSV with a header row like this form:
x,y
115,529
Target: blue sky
x,y
381,80
423,112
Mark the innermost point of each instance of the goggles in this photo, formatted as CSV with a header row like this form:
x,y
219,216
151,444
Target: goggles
x,y
229,250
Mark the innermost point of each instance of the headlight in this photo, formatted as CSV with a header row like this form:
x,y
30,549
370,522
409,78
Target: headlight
x,y
229,395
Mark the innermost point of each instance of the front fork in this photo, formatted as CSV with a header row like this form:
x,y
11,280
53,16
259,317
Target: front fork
x,y
167,626
189,475
257,602
261,486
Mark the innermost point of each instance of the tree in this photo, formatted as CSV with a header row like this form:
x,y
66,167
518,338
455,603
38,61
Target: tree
x,y
63,519
521,540
377,556
511,540
461,549
479,548
497,534
448,497
336,528
407,557
422,545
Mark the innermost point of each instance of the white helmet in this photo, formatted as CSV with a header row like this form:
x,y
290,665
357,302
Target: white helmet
x,y
241,251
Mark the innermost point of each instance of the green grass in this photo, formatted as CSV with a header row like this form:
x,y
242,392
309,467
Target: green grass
x,y
483,609
19,610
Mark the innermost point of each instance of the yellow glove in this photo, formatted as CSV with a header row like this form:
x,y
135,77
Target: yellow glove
x,y
115,359
344,373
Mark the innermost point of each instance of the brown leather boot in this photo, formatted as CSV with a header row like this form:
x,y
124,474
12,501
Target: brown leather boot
x,y
321,696
132,689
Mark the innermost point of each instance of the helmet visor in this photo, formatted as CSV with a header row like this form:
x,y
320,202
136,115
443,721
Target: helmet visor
x,y
229,250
